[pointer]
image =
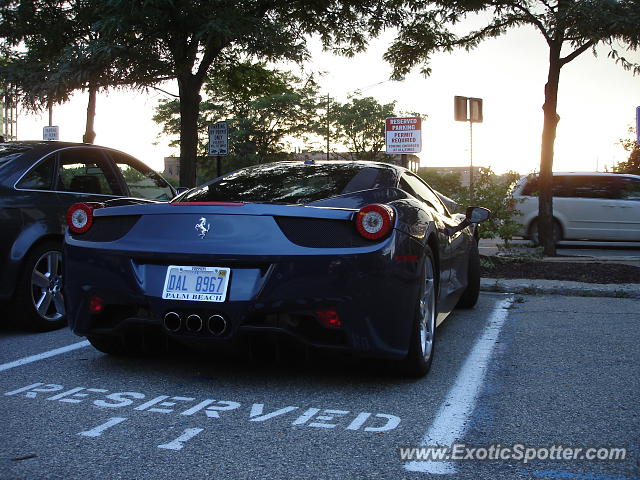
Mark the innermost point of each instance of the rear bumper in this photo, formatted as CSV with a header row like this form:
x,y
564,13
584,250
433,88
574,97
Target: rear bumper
x,y
372,292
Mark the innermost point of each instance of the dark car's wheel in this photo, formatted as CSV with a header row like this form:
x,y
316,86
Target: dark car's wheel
x,y
470,296
421,346
38,303
534,235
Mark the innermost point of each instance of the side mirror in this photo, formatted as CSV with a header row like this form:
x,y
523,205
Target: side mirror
x,y
473,215
478,214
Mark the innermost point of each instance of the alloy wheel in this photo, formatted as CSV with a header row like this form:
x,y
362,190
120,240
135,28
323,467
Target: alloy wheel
x,y
46,286
427,320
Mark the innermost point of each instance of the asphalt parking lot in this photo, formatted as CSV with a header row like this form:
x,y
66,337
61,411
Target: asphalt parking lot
x,y
536,371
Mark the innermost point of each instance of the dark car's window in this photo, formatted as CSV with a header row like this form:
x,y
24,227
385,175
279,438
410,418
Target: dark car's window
x,y
84,170
294,183
41,177
630,188
142,183
414,186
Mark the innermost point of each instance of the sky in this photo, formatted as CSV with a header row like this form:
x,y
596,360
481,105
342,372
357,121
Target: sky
x,y
597,102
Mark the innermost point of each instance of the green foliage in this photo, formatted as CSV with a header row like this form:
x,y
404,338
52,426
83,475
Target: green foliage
x,y
489,190
262,106
569,27
54,49
144,43
430,27
359,124
632,164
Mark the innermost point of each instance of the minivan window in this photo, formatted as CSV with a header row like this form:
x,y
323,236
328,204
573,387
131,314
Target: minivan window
x,y
630,188
577,186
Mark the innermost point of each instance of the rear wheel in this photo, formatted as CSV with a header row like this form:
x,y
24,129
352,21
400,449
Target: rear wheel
x,y
470,296
39,302
534,235
422,342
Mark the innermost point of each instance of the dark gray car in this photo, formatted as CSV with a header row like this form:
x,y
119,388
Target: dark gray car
x,y
39,181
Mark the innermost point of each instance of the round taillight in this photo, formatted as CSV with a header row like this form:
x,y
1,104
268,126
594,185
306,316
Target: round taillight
x,y
374,221
80,217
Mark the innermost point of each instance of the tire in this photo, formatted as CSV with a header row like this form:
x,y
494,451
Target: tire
x,y
422,341
38,303
533,233
470,296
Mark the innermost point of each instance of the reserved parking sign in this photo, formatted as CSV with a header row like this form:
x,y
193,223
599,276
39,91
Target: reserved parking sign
x,y
403,135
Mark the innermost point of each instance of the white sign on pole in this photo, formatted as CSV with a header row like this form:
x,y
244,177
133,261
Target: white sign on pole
x,y
51,133
218,138
403,135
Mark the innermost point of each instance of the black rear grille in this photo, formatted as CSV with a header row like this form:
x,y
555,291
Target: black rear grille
x,y
108,229
321,233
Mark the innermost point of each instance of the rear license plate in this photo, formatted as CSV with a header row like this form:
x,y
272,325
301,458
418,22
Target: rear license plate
x,y
199,284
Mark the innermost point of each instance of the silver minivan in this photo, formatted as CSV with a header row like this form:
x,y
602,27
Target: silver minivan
x,y
586,206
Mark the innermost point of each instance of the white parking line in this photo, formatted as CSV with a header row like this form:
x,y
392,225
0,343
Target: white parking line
x,y
42,356
452,418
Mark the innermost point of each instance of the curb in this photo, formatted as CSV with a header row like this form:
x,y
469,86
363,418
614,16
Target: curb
x,y
557,287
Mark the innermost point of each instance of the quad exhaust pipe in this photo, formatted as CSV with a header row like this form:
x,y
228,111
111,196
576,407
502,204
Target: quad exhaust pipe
x,y
194,323
172,322
216,324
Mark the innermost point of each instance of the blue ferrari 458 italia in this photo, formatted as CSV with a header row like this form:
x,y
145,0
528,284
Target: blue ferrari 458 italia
x,y
358,257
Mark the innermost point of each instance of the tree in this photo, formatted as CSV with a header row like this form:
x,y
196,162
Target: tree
x,y
54,50
632,164
489,190
263,106
569,27
185,39
359,124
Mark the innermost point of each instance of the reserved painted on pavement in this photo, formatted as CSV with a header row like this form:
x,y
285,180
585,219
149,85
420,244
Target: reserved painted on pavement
x,y
102,398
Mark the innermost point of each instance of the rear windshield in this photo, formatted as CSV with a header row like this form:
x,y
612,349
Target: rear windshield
x,y
291,183
8,152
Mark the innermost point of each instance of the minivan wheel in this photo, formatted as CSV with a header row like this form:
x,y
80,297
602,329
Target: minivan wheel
x,y
38,303
534,235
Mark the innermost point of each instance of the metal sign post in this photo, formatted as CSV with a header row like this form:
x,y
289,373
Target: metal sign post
x,y
218,142
468,109
638,125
